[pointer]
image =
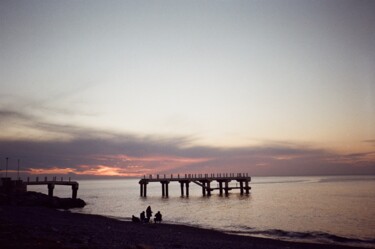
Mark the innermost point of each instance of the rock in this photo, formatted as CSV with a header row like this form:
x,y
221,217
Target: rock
x,y
38,199
66,203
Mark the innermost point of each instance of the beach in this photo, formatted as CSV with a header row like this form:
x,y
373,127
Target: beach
x,y
41,227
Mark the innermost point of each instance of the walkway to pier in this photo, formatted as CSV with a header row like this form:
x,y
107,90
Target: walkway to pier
x,y
51,184
203,180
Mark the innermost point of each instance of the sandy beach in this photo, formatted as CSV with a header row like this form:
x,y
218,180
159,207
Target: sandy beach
x,y
40,227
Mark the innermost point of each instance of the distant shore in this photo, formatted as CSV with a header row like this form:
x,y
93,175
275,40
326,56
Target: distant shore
x,y
40,227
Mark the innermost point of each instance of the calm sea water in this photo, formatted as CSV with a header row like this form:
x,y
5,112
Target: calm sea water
x,y
328,209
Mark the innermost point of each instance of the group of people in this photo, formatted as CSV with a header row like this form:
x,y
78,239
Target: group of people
x,y
145,217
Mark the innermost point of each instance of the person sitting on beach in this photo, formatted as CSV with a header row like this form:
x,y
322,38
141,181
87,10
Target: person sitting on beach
x,y
143,217
135,219
158,217
148,212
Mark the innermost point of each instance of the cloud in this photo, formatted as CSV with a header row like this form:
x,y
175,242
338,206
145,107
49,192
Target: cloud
x,y
81,151
26,118
125,155
370,141
9,115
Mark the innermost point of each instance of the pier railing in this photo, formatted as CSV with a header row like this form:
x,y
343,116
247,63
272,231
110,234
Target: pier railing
x,y
195,176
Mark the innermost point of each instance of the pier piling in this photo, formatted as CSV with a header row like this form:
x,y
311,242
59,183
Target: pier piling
x,y
226,188
182,188
186,184
220,187
51,186
74,191
164,188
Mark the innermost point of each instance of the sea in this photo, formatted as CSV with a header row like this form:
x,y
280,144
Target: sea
x,y
319,209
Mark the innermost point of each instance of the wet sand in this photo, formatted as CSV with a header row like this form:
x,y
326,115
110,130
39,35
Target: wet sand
x,y
38,227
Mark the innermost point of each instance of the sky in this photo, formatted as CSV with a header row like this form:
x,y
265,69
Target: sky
x,y
126,88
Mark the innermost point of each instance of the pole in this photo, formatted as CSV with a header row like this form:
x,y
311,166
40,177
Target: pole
x,y
18,169
6,167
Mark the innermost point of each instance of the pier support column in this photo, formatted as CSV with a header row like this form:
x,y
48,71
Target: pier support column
x,y
186,184
204,188
220,187
144,189
50,189
226,188
209,188
241,187
247,187
182,189
74,191
164,188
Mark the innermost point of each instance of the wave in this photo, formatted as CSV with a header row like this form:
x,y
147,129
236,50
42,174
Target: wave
x,y
313,179
280,181
348,179
321,237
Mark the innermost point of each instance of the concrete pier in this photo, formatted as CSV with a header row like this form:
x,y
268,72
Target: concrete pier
x,y
202,180
51,185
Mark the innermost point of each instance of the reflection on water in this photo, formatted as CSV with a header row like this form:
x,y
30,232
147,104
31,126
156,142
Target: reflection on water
x,y
336,209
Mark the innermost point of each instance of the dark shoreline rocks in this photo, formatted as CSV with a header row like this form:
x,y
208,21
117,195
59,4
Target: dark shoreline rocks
x,y
35,199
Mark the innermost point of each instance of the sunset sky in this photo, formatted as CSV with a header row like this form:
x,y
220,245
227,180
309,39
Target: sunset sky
x,y
126,88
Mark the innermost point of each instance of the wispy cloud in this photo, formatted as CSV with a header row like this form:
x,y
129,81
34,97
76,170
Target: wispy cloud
x,y
370,141
12,115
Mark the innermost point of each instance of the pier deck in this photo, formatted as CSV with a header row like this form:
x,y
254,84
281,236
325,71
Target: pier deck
x,y
203,180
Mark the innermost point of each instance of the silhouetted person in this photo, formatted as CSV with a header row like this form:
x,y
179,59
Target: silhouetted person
x,y
148,212
135,219
158,217
143,216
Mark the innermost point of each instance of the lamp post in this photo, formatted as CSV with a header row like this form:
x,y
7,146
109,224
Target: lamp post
x,y
18,170
6,167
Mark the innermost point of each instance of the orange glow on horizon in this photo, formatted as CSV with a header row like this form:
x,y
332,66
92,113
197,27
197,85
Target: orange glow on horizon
x,y
103,170
100,170
123,165
51,171
149,164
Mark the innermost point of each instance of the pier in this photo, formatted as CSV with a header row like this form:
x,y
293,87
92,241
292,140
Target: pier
x,y
202,180
51,185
